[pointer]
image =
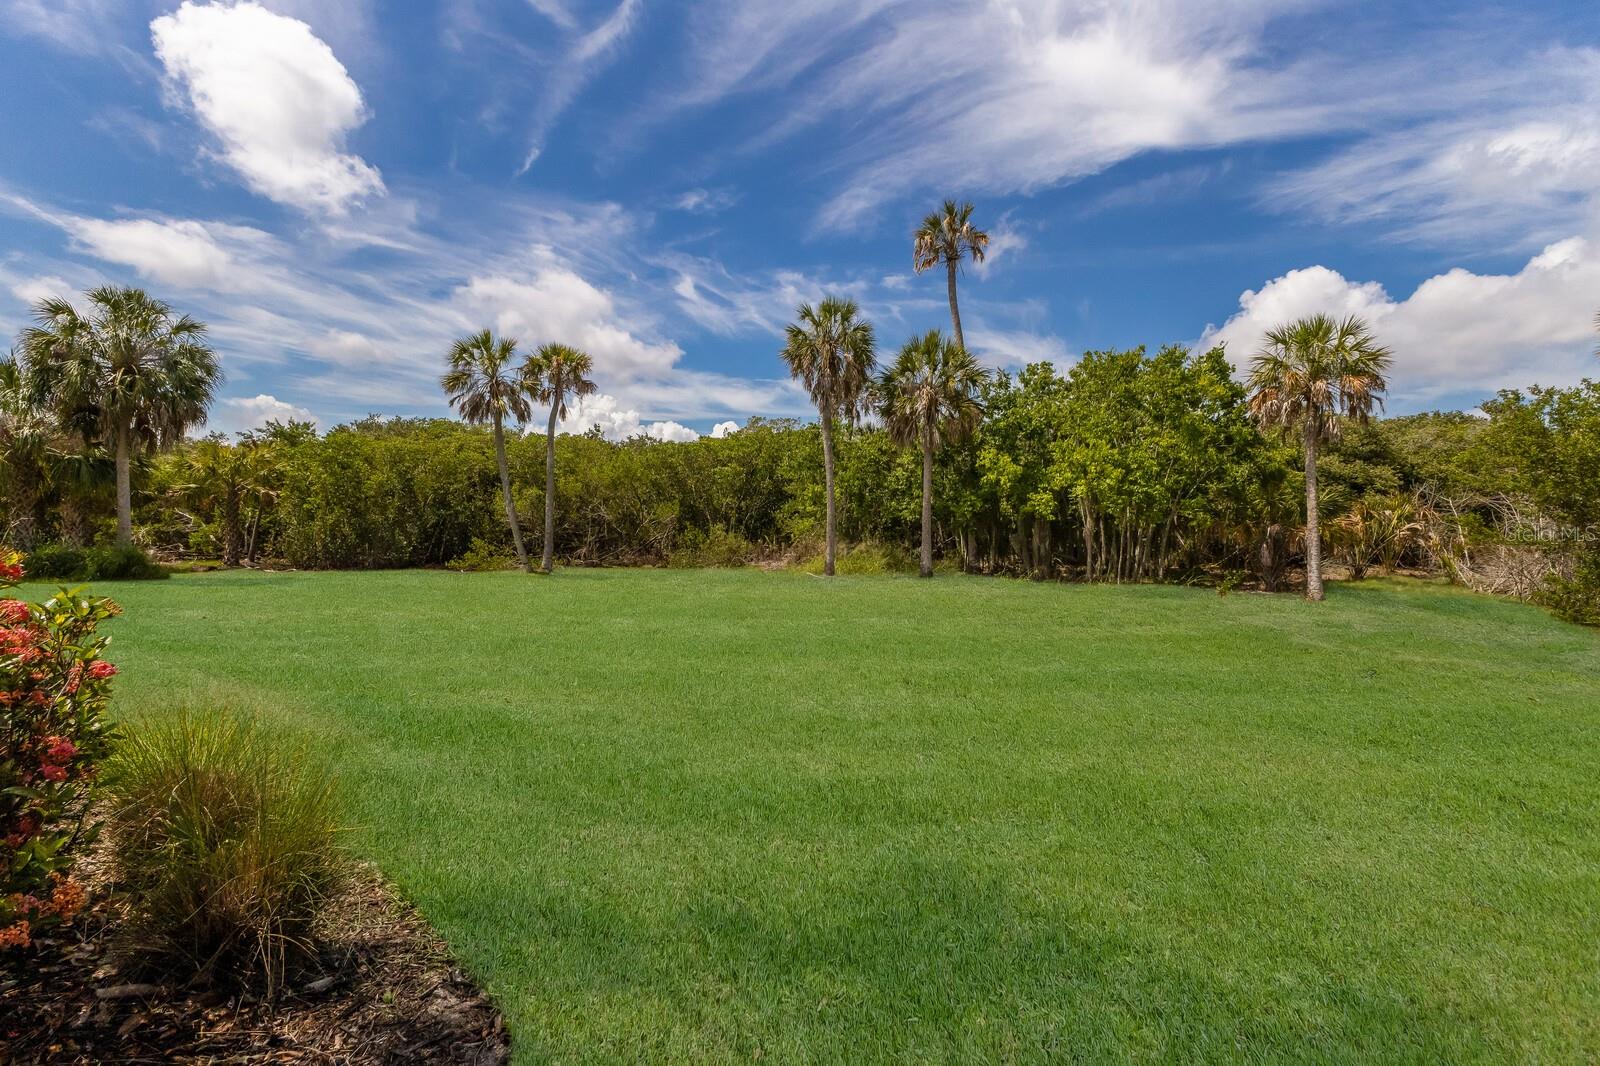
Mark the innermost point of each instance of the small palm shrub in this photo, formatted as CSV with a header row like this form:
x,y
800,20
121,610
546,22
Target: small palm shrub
x,y
54,687
224,838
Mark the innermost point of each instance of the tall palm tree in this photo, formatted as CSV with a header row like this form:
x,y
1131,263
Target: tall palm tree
x,y
1308,377
554,374
947,236
484,385
130,372
834,354
929,397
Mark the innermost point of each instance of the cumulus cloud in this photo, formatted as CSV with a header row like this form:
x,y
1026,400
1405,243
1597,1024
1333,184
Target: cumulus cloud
x,y
618,422
235,414
276,98
555,303
1459,332
722,429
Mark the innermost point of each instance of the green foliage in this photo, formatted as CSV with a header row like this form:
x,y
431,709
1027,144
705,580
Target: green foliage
x,y
868,559
1576,598
54,688
57,562
105,562
482,557
109,562
716,547
224,838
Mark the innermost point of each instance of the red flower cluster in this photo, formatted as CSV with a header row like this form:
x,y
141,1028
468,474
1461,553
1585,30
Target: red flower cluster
x,y
10,572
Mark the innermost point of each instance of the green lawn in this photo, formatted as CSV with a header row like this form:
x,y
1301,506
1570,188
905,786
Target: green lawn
x,y
736,816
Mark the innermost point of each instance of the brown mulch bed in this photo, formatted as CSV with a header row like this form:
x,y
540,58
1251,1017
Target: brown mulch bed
x,y
385,991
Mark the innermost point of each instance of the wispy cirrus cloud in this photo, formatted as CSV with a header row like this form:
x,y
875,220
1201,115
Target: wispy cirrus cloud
x,y
1521,164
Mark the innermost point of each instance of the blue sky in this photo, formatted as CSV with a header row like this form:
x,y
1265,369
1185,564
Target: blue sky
x,y
340,189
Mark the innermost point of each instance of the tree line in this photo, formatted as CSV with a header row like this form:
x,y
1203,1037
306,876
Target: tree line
x,y
1129,466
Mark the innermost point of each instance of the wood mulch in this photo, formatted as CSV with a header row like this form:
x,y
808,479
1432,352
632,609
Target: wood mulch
x,y
385,990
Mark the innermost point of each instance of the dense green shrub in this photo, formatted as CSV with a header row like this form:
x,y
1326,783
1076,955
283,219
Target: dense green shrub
x,y
717,547
481,557
1576,599
54,686
56,562
224,837
105,562
108,562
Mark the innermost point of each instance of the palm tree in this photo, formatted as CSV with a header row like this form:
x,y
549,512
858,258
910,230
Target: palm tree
x,y
484,386
1308,376
947,236
224,477
555,374
129,371
929,397
834,354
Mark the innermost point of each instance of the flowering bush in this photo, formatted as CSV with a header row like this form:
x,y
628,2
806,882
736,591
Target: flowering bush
x,y
53,735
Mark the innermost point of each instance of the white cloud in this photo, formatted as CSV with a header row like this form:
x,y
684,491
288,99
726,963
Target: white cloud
x,y
275,96
1459,332
722,429
704,201
670,431
180,253
619,422
1005,241
587,54
1521,164
1034,93
235,414
31,290
1008,349
557,304
76,25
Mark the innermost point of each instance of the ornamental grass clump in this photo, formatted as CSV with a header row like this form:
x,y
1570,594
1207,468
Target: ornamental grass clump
x,y
54,687
224,838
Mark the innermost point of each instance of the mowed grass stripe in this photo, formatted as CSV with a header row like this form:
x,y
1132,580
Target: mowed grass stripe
x,y
723,816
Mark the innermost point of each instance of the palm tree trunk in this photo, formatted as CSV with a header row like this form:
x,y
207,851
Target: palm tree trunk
x,y
505,490
124,488
927,505
23,522
1313,522
955,312
827,477
232,532
549,563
